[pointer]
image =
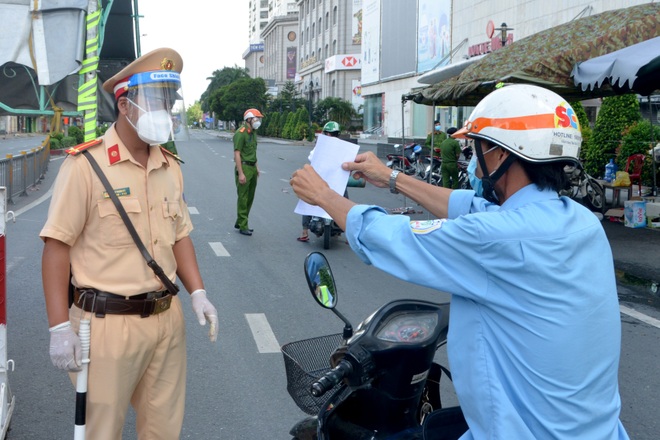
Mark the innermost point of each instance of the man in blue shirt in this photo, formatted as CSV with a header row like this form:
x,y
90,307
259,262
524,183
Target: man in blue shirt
x,y
535,333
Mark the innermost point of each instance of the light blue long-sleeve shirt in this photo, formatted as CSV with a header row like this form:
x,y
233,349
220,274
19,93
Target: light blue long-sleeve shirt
x,y
535,330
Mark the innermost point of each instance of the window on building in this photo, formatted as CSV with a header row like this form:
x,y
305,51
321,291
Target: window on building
x,y
327,15
320,24
325,53
307,34
313,29
334,47
264,3
334,16
333,88
263,14
319,52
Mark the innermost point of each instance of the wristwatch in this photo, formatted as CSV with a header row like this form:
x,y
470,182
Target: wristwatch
x,y
393,181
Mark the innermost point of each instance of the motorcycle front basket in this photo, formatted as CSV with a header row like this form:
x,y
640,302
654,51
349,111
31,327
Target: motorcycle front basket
x,y
305,361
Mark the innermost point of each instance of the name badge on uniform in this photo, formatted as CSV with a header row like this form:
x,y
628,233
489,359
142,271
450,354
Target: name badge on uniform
x,y
119,192
422,227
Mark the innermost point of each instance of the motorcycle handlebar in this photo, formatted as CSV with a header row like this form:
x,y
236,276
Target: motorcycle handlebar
x,y
331,378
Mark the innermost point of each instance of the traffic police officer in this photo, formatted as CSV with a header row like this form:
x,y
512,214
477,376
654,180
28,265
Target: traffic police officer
x,y
138,345
247,170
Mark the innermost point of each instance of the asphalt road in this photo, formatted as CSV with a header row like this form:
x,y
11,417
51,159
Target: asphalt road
x,y
237,387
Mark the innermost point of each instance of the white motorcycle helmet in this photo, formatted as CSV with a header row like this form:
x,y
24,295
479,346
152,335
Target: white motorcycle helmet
x,y
534,123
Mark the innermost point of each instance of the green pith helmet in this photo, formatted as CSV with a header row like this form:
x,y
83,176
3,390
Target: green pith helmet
x,y
331,127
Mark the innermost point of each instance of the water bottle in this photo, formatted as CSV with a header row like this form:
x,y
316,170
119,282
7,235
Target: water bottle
x,y
610,171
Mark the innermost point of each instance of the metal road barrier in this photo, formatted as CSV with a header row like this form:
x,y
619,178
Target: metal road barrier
x,y
20,172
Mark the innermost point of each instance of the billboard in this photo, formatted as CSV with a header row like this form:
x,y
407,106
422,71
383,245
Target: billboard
x,y
371,41
433,34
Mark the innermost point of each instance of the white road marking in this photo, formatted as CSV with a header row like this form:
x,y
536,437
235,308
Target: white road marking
x,y
192,210
285,180
262,333
640,316
37,202
219,249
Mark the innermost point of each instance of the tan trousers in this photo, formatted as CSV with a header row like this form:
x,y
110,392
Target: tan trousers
x,y
141,361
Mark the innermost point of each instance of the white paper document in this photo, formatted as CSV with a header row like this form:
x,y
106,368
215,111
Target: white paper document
x,y
329,153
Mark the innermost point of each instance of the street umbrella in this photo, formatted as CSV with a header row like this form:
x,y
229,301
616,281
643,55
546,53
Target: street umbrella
x,y
635,68
547,57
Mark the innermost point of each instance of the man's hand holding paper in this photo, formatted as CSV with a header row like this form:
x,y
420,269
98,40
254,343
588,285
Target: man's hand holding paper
x,y
329,155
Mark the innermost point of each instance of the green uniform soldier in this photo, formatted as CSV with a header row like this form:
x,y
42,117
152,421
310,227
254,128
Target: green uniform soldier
x,y
450,150
247,171
438,136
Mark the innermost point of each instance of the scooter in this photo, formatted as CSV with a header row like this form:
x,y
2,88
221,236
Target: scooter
x,y
379,382
582,185
410,162
326,227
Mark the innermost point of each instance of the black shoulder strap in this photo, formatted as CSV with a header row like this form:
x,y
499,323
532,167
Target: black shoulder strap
x,y
171,287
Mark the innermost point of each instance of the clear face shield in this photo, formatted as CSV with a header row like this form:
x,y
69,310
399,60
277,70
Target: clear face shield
x,y
157,110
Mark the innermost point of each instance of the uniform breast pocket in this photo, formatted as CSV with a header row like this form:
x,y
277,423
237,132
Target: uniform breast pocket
x,y
113,229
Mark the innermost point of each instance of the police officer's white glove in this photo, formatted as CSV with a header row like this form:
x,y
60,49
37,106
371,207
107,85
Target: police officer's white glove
x,y
205,312
65,350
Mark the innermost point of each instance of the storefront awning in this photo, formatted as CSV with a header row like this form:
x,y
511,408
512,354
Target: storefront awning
x,y
547,58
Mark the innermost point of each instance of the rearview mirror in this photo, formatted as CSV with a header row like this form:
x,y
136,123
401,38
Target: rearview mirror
x,y
320,280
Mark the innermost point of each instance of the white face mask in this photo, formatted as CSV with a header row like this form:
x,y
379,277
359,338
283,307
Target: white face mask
x,y
153,127
256,124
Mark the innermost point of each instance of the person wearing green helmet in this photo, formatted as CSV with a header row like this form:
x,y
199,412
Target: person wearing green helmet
x,y
331,128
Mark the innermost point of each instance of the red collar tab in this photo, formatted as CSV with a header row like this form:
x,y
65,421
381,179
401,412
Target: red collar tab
x,y
113,154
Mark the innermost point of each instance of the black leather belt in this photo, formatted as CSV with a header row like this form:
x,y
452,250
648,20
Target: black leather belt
x,y
245,162
102,303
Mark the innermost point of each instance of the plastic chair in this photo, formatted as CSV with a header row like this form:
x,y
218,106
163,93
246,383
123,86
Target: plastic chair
x,y
634,169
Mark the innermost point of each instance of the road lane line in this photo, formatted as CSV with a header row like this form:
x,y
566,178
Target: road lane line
x,y
640,316
219,249
262,333
192,210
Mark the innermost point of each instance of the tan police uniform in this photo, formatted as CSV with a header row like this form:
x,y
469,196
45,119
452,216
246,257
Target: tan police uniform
x,y
133,359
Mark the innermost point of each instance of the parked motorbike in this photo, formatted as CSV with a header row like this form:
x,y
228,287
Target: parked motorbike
x,y
410,162
379,382
582,186
436,169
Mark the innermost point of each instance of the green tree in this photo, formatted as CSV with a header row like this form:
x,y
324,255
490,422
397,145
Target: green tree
x,y
194,113
334,109
231,101
616,114
637,139
221,78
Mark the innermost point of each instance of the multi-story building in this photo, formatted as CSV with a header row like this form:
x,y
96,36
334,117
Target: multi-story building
x,y
258,19
280,49
329,47
404,39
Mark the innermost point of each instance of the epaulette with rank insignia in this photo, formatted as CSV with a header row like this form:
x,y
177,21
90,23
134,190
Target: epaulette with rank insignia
x,y
242,129
82,147
169,153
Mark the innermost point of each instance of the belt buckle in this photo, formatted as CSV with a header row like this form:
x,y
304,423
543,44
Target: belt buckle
x,y
162,304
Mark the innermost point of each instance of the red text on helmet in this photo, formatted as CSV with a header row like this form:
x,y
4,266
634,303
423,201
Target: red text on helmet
x,y
566,117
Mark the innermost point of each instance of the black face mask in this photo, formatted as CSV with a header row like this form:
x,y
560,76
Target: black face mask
x,y
489,180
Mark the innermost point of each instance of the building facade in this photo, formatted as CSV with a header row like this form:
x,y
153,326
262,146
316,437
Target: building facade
x,y
404,39
280,51
329,49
